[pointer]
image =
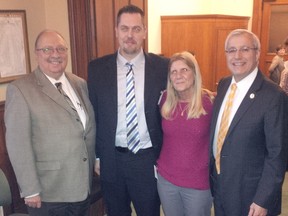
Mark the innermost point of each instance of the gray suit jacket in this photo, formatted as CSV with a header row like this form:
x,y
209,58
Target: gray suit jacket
x,y
49,149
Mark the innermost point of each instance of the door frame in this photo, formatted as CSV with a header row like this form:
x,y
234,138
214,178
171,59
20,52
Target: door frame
x,y
260,26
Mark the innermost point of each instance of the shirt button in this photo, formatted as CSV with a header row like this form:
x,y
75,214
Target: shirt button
x,y
84,159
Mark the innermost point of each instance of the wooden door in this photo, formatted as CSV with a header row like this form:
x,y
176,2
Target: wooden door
x,y
264,26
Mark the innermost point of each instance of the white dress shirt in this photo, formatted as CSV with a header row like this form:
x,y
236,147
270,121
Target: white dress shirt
x,y
242,89
139,77
67,88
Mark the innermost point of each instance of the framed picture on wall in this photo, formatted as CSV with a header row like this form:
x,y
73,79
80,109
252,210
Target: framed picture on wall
x,y
14,49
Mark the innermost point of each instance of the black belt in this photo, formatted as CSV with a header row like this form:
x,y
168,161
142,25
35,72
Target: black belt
x,y
126,150
122,149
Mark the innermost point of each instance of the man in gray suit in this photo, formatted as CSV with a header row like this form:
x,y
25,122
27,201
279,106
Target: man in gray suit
x,y
50,133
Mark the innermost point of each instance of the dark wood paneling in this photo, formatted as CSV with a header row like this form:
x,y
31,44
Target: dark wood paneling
x,y
81,34
105,22
257,17
92,33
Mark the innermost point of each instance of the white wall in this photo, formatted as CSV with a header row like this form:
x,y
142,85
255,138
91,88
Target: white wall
x,y
158,8
57,19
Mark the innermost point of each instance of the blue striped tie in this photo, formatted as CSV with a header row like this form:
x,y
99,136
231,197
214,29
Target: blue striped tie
x,y
133,139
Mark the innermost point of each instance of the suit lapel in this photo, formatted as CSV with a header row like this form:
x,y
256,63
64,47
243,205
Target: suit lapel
x,y
217,104
150,80
49,90
247,101
76,87
110,74
147,78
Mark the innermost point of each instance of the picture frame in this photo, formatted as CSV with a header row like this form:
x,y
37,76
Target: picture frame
x,y
14,51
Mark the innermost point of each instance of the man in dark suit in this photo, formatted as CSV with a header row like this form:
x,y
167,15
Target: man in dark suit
x,y
248,166
127,173
51,142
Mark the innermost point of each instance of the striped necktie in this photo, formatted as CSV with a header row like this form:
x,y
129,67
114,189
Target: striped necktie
x,y
66,97
224,125
133,139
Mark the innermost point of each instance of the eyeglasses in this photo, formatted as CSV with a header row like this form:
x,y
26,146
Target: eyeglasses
x,y
243,50
50,50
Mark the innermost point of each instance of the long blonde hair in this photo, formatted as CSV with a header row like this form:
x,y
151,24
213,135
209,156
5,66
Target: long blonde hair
x,y
195,106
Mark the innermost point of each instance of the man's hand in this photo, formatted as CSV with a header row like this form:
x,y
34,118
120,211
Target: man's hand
x,y
256,210
33,202
97,167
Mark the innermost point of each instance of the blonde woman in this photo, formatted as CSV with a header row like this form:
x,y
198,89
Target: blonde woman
x,y
186,108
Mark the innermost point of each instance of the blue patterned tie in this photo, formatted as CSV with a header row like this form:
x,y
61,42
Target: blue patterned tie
x,y
133,139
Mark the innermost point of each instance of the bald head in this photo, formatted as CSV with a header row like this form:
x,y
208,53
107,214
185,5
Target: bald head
x,y
51,53
47,31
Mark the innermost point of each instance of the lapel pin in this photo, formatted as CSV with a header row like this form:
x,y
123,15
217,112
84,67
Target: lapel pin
x,y
252,95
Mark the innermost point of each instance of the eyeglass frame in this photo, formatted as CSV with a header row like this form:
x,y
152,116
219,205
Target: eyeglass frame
x,y
233,50
51,50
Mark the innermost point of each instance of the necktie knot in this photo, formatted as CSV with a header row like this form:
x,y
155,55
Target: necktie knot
x,y
58,85
233,87
130,67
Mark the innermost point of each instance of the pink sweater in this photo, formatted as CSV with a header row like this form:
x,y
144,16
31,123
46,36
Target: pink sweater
x,y
184,157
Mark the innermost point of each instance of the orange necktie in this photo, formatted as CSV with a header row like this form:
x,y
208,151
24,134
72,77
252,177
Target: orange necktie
x,y
224,125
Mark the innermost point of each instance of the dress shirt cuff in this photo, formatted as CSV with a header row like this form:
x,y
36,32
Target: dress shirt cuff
x,y
32,195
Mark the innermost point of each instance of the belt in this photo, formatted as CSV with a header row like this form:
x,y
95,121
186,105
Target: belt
x,y
122,149
126,150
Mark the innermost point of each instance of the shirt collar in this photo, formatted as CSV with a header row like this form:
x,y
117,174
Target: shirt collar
x,y
61,79
135,61
247,81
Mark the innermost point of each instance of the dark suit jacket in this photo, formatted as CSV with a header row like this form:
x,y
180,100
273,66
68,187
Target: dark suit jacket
x,y
102,85
254,154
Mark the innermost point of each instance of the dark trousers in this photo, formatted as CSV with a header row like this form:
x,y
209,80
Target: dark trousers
x,y
218,207
61,209
135,182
